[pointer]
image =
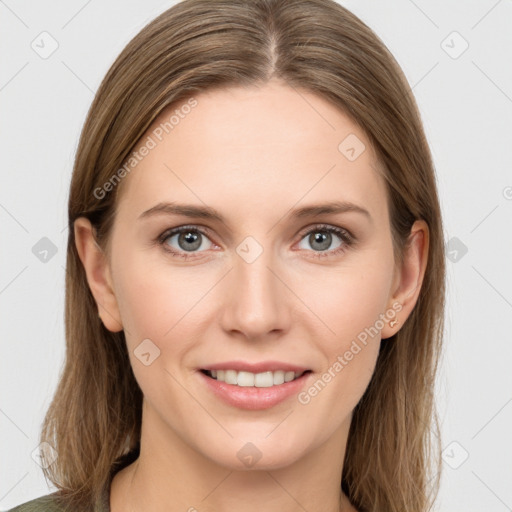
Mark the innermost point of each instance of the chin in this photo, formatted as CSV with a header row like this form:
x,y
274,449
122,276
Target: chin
x,y
259,452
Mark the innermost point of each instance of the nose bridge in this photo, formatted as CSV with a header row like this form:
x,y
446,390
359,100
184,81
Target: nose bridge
x,y
257,303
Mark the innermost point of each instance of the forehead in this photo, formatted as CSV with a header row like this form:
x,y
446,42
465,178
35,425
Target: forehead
x,y
242,147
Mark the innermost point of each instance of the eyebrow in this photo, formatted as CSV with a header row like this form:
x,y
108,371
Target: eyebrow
x,y
206,212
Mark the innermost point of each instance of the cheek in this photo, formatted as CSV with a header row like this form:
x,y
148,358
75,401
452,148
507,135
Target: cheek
x,y
351,303
173,308
350,299
349,355
164,307
160,303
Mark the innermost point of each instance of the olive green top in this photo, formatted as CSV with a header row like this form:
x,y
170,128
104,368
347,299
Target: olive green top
x,y
48,502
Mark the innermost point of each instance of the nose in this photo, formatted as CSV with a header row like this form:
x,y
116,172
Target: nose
x,y
255,298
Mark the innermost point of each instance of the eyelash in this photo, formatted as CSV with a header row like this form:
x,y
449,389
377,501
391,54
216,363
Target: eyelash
x,y
346,237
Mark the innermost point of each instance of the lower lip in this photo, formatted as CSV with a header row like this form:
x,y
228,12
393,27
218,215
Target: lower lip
x,y
254,398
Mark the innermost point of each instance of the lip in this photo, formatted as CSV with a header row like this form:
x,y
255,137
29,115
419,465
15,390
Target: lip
x,y
253,398
263,366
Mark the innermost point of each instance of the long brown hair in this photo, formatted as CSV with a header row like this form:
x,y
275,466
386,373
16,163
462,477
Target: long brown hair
x,y
391,461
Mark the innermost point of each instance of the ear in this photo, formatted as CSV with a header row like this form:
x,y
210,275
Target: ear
x,y
98,274
408,278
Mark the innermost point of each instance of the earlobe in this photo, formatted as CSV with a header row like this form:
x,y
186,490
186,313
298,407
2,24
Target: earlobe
x,y
409,278
97,271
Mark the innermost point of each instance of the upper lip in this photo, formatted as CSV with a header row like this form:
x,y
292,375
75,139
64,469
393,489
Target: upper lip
x,y
262,366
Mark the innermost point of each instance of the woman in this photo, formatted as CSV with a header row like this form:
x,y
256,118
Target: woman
x,y
255,285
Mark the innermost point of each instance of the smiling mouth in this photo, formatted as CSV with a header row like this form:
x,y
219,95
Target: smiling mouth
x,y
249,379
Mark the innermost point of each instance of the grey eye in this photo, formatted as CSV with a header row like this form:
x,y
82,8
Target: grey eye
x,y
189,240
320,240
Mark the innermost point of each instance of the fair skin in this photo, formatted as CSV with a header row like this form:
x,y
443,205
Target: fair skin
x,y
254,155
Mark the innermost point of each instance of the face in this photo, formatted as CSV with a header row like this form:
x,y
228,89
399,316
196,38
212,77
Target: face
x,y
271,281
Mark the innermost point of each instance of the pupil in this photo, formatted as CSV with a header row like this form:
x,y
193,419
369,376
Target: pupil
x,y
323,238
192,239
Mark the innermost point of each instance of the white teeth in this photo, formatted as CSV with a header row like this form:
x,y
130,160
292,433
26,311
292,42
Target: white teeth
x,y
288,376
242,379
259,380
278,377
264,380
230,377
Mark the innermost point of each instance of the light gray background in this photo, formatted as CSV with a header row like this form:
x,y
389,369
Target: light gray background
x,y
466,106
